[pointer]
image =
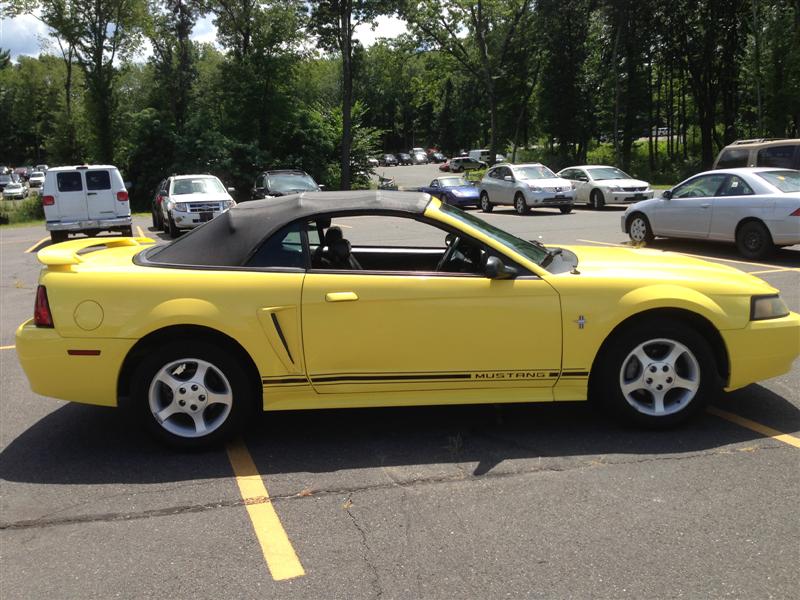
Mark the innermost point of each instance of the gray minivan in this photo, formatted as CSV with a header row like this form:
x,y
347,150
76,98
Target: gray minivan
x,y
779,153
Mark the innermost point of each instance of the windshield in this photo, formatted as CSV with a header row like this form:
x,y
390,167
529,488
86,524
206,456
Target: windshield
x,y
534,172
608,173
453,181
286,183
785,181
37,174
530,251
199,185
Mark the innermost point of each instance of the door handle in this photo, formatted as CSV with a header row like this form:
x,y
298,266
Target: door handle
x,y
91,193
705,205
341,297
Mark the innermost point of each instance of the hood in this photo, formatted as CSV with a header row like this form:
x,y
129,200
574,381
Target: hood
x,y
656,266
464,190
550,182
623,182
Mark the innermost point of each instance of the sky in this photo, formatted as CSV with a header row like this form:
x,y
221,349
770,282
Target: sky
x,y
25,35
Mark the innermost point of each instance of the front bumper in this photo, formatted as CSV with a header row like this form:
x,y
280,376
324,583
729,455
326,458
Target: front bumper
x,y
89,224
762,350
628,197
190,220
546,198
53,372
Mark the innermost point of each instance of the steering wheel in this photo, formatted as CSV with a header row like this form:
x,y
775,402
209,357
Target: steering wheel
x,y
448,254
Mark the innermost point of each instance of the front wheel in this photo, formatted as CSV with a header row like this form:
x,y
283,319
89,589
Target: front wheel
x,y
520,205
486,205
596,200
191,394
754,241
174,232
639,229
657,374
565,210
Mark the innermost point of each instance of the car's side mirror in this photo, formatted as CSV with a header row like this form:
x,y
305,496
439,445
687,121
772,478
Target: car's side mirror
x,y
496,269
666,194
508,178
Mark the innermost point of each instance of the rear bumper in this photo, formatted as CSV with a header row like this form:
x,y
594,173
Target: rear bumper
x,y
762,350
89,224
53,372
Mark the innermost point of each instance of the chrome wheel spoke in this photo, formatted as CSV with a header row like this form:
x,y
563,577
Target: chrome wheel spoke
x,y
199,422
166,412
685,384
169,380
658,402
674,355
632,386
641,356
200,373
215,398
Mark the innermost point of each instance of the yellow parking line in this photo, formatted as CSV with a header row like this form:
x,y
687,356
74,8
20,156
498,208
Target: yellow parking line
x,y
7,347
278,551
37,244
757,427
139,230
783,270
730,260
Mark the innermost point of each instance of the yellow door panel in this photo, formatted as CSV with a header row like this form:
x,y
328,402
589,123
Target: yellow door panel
x,y
405,332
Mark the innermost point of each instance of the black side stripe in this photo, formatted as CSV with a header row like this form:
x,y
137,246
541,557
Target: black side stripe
x,y
280,335
391,377
269,381
575,374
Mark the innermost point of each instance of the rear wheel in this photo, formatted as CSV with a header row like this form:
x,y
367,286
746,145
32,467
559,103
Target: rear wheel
x,y
191,394
56,237
639,229
486,205
754,241
520,205
657,374
596,200
127,231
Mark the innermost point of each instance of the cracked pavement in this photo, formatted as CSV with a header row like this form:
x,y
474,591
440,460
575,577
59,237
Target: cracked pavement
x,y
536,501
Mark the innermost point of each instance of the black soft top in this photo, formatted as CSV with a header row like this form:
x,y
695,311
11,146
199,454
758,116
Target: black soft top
x,y
233,236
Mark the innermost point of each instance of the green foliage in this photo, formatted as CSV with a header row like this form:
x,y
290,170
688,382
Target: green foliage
x,y
21,211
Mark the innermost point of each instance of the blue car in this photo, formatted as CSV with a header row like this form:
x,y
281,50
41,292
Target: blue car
x,y
453,189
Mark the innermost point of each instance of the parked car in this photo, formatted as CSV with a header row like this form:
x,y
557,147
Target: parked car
x,y
413,151
42,168
23,173
191,200
464,163
193,336
280,182
156,208
404,159
5,180
524,187
598,185
15,190
783,154
419,158
85,199
5,170
436,157
445,166
388,160
484,154
373,162
757,208
453,189
36,180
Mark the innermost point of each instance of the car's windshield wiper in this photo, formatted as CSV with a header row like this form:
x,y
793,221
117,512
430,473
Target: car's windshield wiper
x,y
551,254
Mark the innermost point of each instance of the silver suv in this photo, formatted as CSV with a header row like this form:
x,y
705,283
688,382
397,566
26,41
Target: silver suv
x,y
190,200
524,187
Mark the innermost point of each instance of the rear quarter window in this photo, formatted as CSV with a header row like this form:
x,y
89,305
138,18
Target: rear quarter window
x,y
69,182
732,158
777,156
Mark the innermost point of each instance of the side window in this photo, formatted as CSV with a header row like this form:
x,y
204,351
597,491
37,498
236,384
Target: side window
x,y
776,156
735,186
733,158
494,173
69,182
284,249
98,180
569,174
435,183
700,187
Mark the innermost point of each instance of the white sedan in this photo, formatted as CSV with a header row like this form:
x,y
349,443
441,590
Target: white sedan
x,y
758,208
598,185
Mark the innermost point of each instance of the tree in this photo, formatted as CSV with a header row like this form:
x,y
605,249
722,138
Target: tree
x,y
334,22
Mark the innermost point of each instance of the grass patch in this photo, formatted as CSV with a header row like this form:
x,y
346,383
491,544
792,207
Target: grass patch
x,y
18,212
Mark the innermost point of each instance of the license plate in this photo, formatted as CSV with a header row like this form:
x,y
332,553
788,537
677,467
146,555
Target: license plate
x,y
559,196
638,196
206,216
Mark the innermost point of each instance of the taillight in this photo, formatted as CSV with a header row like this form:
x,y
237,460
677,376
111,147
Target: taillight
x,y
41,309
795,213
122,196
48,200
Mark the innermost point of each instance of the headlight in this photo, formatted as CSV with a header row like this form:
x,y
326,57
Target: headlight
x,y
230,203
535,188
767,307
457,193
614,188
181,206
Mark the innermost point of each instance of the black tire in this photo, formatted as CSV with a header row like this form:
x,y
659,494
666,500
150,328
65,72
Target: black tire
x,y
565,210
155,220
127,231
639,229
753,240
225,378
520,205
596,200
656,340
56,237
172,229
485,204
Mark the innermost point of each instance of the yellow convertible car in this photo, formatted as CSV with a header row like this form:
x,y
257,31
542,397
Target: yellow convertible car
x,y
288,303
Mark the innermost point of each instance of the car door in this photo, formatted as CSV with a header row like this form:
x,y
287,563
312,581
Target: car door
x,y
735,201
100,198
687,213
395,331
583,185
70,197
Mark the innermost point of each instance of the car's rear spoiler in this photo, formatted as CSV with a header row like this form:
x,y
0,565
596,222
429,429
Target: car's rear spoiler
x,y
68,253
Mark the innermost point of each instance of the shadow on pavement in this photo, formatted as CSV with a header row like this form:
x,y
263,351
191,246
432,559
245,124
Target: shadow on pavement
x,y
88,445
784,257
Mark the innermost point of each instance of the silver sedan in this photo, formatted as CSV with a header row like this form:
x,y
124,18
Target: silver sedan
x,y
757,208
598,185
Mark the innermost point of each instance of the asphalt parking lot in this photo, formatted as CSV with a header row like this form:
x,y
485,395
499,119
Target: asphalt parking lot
x,y
550,501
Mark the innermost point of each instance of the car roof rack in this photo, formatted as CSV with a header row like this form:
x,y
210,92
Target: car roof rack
x,y
754,141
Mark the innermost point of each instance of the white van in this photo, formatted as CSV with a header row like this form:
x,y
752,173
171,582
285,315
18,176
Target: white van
x,y
484,154
85,199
